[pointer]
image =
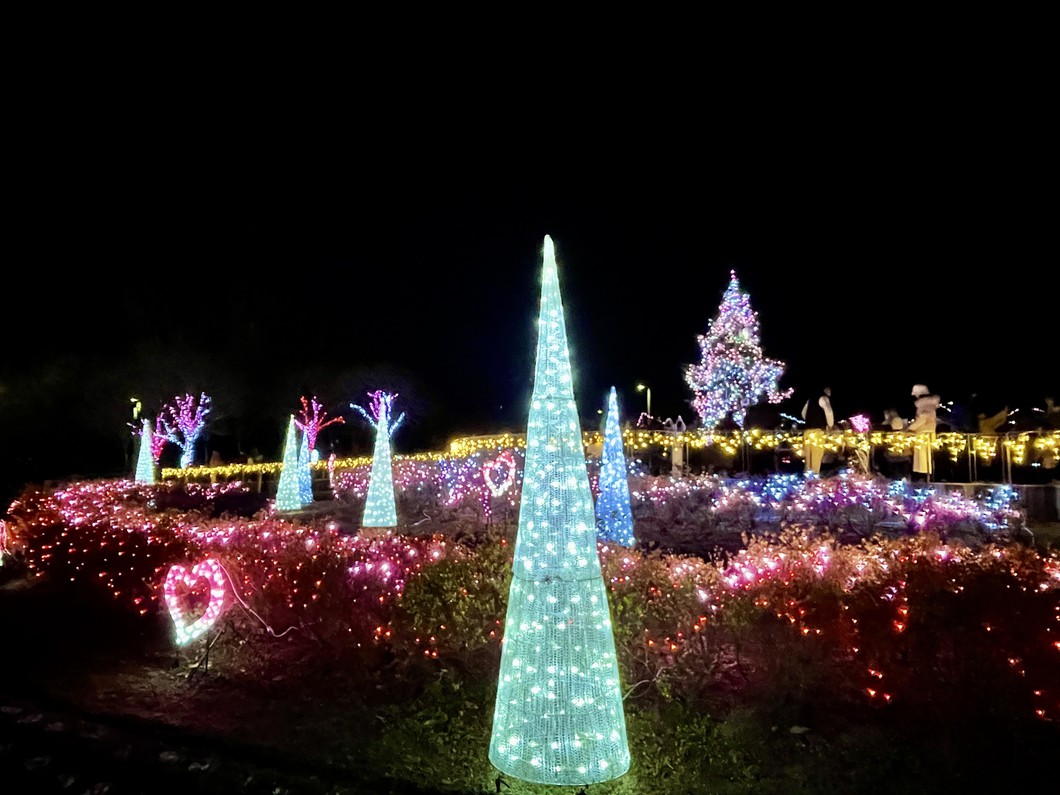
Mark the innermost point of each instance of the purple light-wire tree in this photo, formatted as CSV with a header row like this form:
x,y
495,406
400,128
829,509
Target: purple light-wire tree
x,y
185,423
380,507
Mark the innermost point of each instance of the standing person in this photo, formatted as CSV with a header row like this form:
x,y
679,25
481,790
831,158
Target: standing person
x,y
989,425
819,418
1050,422
924,422
892,421
1050,414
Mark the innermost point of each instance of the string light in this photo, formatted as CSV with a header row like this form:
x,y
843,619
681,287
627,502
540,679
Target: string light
x,y
310,421
178,582
506,460
614,516
145,463
558,716
189,418
288,495
305,474
380,507
732,374
106,534
982,446
158,439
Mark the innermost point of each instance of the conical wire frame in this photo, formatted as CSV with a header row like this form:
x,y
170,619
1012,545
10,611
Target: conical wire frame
x,y
380,507
287,497
558,717
614,513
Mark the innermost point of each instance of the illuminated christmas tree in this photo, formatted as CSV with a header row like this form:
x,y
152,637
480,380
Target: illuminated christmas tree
x,y
614,515
288,497
558,717
305,474
145,462
380,509
732,374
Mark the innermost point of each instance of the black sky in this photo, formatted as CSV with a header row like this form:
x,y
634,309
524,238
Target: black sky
x,y
878,253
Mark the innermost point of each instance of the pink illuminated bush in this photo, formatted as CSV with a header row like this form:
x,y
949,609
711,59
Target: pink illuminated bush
x,y
794,617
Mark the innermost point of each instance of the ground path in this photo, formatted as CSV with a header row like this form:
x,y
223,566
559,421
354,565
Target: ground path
x,y
47,746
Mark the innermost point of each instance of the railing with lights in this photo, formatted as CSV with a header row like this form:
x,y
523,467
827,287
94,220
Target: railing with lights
x,y
1016,449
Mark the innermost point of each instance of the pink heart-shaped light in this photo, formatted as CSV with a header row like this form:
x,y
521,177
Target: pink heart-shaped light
x,y
505,459
209,570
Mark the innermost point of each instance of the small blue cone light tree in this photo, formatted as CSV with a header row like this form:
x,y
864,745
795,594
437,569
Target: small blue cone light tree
x,y
558,717
145,462
287,494
305,474
380,509
614,515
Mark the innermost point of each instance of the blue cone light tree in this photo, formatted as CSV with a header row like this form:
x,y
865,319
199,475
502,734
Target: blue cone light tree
x,y
614,514
145,463
287,495
558,717
305,474
380,509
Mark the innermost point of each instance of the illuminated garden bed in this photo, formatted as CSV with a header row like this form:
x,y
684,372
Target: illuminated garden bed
x,y
769,631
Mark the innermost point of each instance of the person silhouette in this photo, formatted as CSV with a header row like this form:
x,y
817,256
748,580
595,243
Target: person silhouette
x,y
818,418
924,423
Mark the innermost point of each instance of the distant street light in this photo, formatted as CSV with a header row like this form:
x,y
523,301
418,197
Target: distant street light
x,y
137,405
644,388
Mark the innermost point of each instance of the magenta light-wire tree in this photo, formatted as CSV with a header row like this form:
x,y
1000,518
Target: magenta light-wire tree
x,y
310,421
380,508
732,373
158,439
183,421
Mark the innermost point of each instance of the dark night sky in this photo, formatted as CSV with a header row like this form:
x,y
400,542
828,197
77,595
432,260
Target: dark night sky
x,y
257,273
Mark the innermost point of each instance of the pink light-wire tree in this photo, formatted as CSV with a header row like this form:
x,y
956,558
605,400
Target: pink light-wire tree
x,y
158,439
310,421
